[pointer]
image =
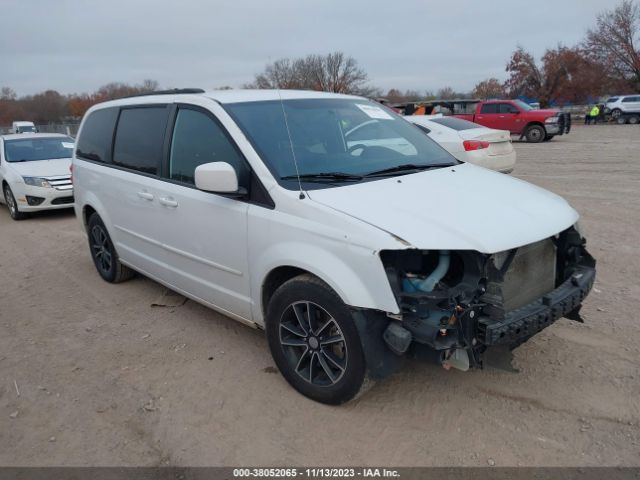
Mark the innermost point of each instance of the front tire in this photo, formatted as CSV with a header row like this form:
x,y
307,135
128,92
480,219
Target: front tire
x,y
104,255
535,134
12,205
314,341
615,113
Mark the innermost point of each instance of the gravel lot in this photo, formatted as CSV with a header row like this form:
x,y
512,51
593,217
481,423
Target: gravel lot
x,y
105,378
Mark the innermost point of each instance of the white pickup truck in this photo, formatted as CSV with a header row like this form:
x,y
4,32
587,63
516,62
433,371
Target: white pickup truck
x,y
23,127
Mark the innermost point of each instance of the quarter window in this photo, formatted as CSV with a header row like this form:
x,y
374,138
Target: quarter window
x,y
139,137
198,139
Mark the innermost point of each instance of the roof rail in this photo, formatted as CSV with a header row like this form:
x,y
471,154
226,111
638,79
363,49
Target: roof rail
x,y
173,91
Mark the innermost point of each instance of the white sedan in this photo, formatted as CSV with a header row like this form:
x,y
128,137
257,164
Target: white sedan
x,y
470,142
34,172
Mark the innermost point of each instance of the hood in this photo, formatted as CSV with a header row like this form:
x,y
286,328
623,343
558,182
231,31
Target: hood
x,y
455,208
42,168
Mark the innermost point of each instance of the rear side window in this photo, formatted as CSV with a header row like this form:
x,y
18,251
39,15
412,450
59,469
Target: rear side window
x,y
455,123
506,108
489,108
198,139
630,99
94,142
139,137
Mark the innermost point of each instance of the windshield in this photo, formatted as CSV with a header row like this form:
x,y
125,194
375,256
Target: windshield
x,y
346,136
25,129
32,149
524,106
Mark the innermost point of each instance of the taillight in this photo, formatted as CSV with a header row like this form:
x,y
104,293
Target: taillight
x,y
470,145
71,170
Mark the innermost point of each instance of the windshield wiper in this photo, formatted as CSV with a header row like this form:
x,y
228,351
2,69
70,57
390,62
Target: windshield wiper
x,y
322,176
405,168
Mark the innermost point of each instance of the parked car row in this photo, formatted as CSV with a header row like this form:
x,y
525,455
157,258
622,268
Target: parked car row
x,y
515,116
340,228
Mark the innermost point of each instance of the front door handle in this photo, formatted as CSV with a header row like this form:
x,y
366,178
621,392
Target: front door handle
x,y
146,195
168,202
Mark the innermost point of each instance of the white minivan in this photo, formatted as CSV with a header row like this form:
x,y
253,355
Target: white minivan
x,y
350,256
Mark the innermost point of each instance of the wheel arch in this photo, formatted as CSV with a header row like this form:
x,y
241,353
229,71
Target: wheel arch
x,y
364,287
531,124
87,211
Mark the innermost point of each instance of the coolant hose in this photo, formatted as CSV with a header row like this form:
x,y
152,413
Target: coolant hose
x,y
428,284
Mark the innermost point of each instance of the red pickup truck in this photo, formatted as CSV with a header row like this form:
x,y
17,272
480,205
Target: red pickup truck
x,y
513,115
520,119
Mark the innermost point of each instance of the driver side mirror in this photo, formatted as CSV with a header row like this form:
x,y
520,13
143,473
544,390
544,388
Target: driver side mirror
x,y
218,177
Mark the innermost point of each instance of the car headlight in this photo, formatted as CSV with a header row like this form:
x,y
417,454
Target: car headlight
x,y
551,120
37,182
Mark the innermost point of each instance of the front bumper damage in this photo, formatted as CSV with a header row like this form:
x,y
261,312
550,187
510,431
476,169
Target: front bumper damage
x,y
526,321
456,305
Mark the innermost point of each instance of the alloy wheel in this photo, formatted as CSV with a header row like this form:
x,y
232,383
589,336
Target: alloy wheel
x,y
313,343
101,249
11,202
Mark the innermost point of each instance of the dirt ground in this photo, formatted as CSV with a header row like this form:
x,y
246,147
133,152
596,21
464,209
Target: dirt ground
x,y
104,378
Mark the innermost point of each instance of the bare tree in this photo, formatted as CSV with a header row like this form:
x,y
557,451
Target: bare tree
x,y
334,72
7,93
446,93
612,42
489,88
564,75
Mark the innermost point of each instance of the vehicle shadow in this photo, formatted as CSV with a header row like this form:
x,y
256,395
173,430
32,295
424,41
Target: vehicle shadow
x,y
45,215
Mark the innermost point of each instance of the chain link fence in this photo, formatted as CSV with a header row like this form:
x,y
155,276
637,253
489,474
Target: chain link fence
x,y
70,129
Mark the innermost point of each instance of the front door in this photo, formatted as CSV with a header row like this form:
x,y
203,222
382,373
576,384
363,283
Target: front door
x,y
205,234
507,118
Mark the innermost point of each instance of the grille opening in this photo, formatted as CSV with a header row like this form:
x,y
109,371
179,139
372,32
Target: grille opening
x,y
62,201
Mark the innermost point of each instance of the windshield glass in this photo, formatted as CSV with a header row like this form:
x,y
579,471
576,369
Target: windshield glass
x,y
24,129
524,106
32,149
346,136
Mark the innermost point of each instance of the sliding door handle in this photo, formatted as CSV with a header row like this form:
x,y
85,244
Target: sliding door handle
x,y
146,195
168,202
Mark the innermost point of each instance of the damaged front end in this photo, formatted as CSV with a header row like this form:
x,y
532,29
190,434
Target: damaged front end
x,y
456,304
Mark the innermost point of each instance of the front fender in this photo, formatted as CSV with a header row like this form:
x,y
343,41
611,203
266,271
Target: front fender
x,y
361,282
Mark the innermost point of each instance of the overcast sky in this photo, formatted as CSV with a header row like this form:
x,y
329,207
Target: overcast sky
x,y
79,45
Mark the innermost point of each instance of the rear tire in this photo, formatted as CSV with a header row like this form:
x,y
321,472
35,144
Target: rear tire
x,y
621,120
104,255
12,205
535,134
314,341
634,119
